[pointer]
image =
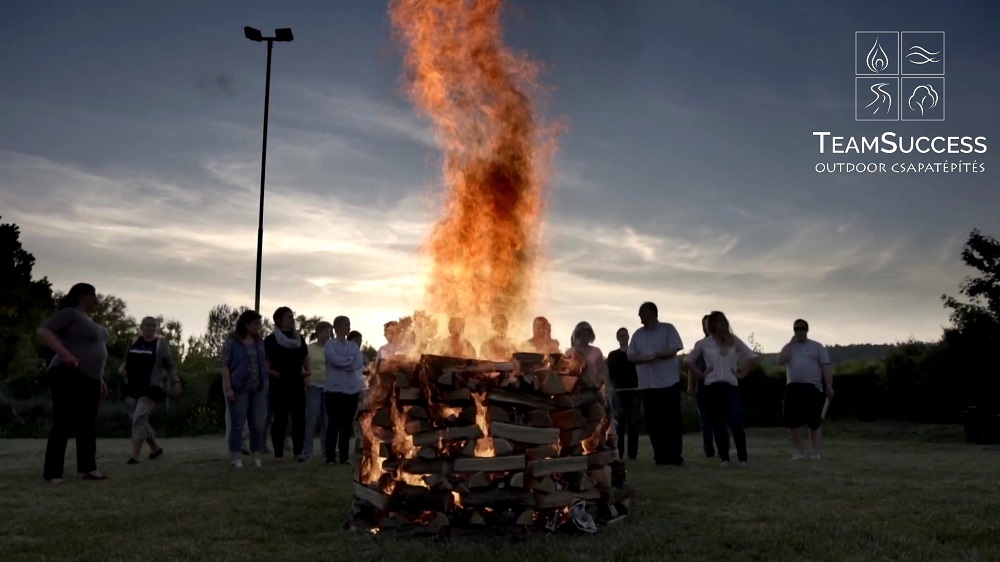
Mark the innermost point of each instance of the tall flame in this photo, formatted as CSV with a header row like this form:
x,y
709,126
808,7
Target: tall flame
x,y
484,445
476,91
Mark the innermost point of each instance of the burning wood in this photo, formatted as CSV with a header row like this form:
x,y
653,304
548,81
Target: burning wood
x,y
522,456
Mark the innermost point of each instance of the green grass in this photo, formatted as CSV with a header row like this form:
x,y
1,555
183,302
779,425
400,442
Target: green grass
x,y
880,493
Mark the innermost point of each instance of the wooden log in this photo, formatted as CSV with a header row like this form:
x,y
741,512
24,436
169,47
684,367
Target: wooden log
x,y
527,518
478,480
427,453
417,413
501,396
402,380
439,481
567,419
459,396
517,480
563,498
498,414
573,450
380,433
543,485
383,418
424,466
601,458
552,384
489,464
596,412
572,437
493,497
447,379
468,414
544,452
538,418
569,382
418,426
524,434
588,381
370,495
578,400
580,482
470,448
601,477
449,434
438,523
502,447
410,395
476,519
556,466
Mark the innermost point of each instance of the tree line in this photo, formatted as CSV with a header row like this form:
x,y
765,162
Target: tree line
x,y
936,381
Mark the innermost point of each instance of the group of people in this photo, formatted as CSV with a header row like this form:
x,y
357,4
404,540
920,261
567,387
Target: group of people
x,y
319,381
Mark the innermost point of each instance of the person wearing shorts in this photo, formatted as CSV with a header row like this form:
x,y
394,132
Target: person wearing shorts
x,y
809,379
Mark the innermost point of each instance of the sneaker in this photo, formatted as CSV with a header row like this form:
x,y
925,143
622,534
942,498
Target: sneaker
x,y
237,463
257,463
816,456
724,464
798,457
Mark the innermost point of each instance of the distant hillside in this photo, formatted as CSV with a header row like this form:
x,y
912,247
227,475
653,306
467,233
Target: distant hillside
x,y
844,353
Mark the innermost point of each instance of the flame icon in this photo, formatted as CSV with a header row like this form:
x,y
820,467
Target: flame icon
x,y
923,92
877,60
881,97
920,55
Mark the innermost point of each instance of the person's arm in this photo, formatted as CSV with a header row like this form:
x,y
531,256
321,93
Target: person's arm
x,y
750,356
47,332
673,347
692,364
270,347
827,369
785,355
225,357
633,353
306,365
342,362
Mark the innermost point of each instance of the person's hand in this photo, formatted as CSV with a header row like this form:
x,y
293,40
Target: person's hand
x,y
71,360
707,372
829,392
230,395
274,374
178,390
104,389
306,374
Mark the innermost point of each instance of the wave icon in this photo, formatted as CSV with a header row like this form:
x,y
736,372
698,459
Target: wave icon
x,y
877,60
920,55
882,98
920,97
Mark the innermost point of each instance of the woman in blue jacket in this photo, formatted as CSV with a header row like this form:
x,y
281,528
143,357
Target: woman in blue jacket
x,y
245,381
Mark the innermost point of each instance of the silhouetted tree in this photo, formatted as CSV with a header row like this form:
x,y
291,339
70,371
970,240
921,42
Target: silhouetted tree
x,y
24,302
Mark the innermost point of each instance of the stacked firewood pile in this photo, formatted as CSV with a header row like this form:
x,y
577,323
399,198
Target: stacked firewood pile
x,y
453,445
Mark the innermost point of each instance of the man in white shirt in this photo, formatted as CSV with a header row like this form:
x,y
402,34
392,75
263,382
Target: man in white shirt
x,y
653,348
807,365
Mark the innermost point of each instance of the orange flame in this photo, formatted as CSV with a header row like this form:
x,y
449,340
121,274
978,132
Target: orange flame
x,y
402,442
371,464
484,445
476,92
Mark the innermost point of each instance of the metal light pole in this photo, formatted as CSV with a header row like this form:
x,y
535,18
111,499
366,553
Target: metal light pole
x,y
280,35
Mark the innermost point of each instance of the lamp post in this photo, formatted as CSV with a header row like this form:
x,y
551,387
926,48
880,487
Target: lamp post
x,y
280,35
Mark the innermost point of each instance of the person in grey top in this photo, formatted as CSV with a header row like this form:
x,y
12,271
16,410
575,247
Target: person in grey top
x,y
807,364
76,381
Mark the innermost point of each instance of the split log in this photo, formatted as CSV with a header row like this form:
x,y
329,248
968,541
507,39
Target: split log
x,y
448,435
569,382
438,523
370,495
402,380
476,519
517,480
417,413
498,414
427,453
470,448
418,426
596,413
495,497
601,477
459,396
520,399
479,480
570,401
502,447
573,437
544,452
526,518
543,485
538,418
424,466
380,433
489,464
447,379
410,395
562,498
469,414
555,466
483,367
524,434
439,481
601,458
580,482
588,381
383,418
567,419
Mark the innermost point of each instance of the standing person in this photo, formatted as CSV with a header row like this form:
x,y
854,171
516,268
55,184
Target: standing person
x,y
722,352
696,386
149,370
499,347
582,341
455,345
315,404
627,401
245,381
653,349
395,343
288,361
541,338
807,365
342,389
76,381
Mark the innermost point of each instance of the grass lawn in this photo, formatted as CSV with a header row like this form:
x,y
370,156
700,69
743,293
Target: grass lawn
x,y
881,493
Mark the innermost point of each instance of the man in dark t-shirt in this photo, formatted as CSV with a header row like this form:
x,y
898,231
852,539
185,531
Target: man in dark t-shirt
x,y
627,401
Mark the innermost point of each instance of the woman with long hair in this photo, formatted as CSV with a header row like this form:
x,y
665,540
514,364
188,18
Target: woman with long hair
x,y
288,361
76,381
723,353
149,370
245,382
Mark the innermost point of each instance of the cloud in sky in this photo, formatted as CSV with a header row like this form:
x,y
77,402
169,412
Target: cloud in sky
x,y
671,184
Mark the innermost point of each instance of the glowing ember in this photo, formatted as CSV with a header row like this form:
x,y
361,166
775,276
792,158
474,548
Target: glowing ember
x,y
476,92
402,442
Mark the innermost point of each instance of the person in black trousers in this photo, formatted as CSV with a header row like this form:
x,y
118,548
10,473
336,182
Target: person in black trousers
x,y
627,402
76,380
696,386
288,361
342,390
